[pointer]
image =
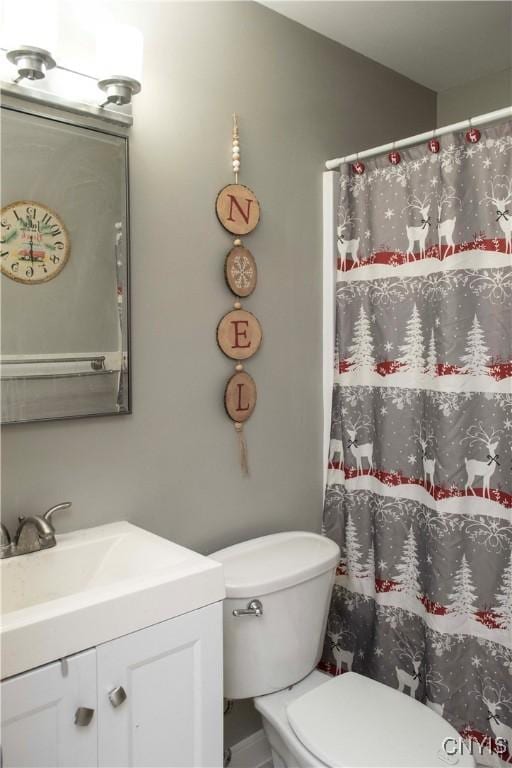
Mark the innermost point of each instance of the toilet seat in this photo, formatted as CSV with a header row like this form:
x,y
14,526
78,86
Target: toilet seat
x,y
351,721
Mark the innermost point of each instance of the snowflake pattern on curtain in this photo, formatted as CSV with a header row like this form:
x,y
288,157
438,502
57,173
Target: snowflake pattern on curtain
x,y
419,492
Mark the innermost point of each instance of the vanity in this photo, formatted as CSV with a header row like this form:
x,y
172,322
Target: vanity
x,y
111,653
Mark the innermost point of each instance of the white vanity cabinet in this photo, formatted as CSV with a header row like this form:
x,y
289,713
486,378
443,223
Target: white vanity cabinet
x,y
171,674
38,713
156,695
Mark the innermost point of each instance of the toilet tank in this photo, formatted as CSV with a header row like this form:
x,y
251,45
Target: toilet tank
x,y
292,575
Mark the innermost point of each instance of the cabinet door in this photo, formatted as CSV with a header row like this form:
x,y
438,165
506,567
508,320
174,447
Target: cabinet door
x,y
38,715
172,676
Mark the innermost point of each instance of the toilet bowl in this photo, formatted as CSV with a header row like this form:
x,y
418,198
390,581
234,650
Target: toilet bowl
x,y
278,590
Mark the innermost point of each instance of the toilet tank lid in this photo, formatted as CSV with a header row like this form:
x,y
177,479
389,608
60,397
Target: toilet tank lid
x,y
280,560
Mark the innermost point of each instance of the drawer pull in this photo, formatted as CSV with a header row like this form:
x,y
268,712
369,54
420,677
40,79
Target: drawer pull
x,y
117,696
83,716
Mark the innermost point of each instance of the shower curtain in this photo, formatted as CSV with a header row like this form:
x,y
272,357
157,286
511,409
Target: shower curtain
x,y
419,491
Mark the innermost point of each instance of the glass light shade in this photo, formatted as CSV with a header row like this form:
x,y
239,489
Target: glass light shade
x,y
32,22
119,50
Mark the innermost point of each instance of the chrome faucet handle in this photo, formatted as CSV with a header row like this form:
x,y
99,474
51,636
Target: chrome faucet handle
x,y
33,534
49,512
5,537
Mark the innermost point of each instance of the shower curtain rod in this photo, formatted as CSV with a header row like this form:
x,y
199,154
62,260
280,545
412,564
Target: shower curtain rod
x,y
332,165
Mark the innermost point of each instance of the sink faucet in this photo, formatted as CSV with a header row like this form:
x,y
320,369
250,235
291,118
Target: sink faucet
x,y
5,541
33,534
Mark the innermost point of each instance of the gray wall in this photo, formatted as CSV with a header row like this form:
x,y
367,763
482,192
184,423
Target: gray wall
x,y
172,466
475,98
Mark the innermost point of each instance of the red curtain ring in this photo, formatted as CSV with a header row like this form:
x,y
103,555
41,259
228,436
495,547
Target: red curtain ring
x,y
434,145
358,167
394,157
473,135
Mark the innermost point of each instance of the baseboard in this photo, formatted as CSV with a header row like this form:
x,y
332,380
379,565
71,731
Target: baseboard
x,y
252,752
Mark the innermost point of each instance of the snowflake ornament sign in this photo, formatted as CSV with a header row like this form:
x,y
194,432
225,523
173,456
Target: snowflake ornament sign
x,y
240,271
239,332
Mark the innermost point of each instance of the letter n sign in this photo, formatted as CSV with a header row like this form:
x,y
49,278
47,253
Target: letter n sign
x,y
237,209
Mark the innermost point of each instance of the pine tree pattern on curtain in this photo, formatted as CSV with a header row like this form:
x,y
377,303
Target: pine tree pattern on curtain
x,y
419,492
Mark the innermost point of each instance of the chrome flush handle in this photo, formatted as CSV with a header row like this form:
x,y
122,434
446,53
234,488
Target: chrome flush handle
x,y
254,608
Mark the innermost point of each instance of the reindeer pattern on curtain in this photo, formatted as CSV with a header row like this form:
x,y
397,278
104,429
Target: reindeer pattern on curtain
x,y
419,492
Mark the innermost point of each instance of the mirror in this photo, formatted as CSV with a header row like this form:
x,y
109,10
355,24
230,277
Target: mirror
x,y
64,265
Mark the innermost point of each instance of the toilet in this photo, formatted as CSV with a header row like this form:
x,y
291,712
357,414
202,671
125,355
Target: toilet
x,y
278,590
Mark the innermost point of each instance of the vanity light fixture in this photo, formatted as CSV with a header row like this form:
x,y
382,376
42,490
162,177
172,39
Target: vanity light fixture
x,y
31,62
119,51
30,36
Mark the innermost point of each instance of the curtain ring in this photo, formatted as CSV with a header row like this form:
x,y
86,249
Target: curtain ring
x,y
358,167
434,145
394,156
472,134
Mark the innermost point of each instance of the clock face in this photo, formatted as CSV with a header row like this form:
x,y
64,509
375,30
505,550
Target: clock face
x,y
34,242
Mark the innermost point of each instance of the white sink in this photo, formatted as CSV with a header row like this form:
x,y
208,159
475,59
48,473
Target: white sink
x,y
96,585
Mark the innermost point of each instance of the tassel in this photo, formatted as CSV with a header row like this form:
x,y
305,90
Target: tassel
x,y
242,446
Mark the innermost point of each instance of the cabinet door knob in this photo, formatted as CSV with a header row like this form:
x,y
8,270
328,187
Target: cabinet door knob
x,y
117,696
83,716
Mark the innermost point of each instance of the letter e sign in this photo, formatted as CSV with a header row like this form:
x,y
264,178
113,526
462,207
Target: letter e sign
x,y
239,334
240,397
237,209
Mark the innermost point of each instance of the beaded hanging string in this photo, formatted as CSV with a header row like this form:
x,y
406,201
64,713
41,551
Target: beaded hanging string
x,y
236,147
239,332
239,427
235,151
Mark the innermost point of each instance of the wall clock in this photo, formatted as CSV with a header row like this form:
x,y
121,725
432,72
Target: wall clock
x,y
35,243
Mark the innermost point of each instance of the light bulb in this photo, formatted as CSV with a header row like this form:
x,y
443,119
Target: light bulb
x,y
119,50
32,23
119,61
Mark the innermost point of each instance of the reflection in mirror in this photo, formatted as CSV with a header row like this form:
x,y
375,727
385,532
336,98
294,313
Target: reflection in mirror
x,y
64,264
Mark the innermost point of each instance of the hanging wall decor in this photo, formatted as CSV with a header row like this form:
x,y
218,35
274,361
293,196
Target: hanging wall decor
x,y
240,271
239,332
